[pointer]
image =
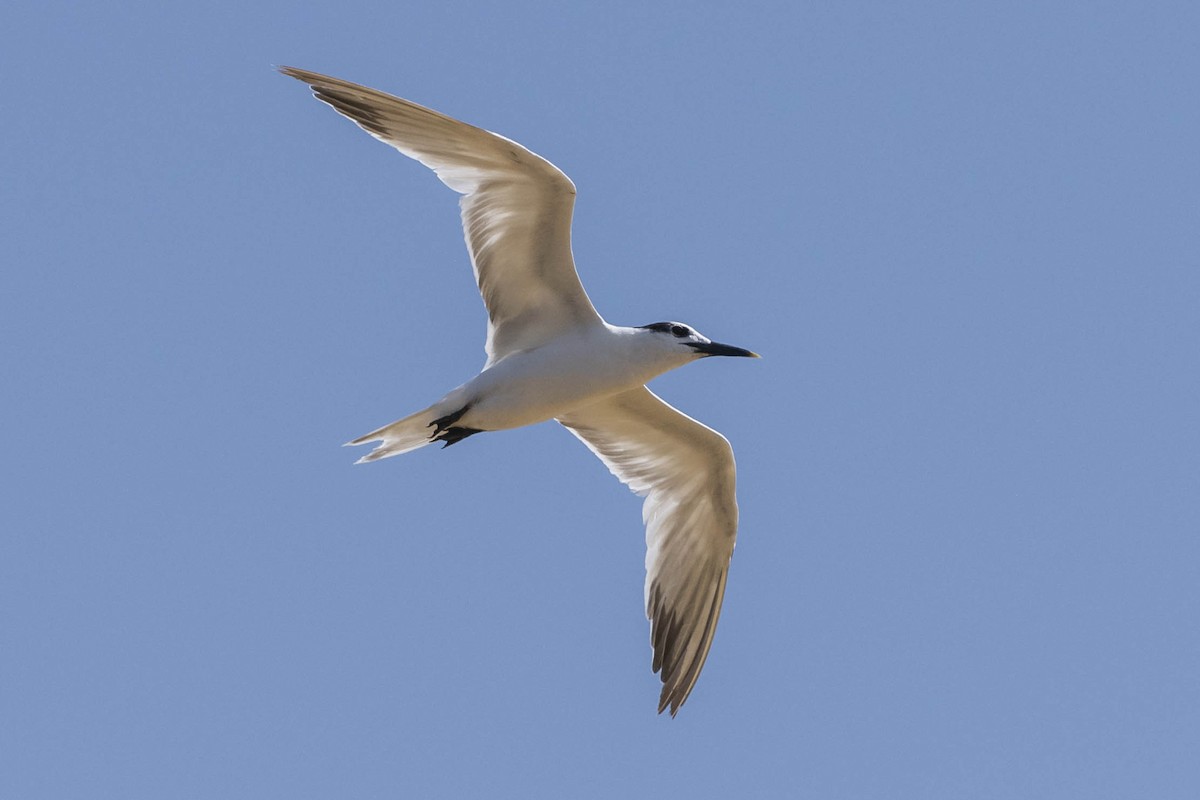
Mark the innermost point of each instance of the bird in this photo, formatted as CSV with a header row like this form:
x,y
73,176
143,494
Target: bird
x,y
550,355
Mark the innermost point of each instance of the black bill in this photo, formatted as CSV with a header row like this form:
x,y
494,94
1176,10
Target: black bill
x,y
718,349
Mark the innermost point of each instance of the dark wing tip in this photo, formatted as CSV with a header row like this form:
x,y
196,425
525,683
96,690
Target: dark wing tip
x,y
298,74
668,699
348,99
669,640
681,646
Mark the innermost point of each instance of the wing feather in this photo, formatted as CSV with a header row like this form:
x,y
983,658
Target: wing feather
x,y
686,472
516,211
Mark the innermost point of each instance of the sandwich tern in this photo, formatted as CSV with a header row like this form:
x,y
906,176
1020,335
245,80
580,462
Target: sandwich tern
x,y
551,356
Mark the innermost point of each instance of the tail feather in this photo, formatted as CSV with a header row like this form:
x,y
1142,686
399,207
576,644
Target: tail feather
x,y
401,436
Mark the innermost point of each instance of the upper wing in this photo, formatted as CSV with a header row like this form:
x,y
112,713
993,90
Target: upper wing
x,y
516,211
686,472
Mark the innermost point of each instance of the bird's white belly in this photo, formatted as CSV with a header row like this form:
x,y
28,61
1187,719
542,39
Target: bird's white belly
x,y
528,388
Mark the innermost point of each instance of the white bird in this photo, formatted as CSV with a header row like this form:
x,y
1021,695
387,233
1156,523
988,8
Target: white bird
x,y
551,356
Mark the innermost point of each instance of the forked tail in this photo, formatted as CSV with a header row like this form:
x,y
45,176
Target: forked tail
x,y
418,430
401,436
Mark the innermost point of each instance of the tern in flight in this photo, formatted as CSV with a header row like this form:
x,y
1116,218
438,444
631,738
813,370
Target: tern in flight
x,y
551,356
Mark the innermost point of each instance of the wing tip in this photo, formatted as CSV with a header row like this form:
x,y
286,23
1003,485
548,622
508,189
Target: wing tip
x,y
680,662
667,698
291,72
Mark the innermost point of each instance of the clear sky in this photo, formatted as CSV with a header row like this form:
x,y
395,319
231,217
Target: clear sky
x,y
964,236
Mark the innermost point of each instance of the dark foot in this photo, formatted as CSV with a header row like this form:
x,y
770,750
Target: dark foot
x,y
455,434
444,429
443,423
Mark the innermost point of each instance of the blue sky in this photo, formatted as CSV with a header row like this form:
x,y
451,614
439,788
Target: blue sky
x,y
964,237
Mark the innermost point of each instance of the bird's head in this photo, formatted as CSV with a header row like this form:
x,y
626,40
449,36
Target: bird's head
x,y
688,343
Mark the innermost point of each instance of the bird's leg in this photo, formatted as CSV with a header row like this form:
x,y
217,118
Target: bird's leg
x,y
443,423
446,431
455,434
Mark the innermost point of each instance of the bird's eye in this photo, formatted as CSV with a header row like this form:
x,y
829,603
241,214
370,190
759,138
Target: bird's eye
x,y
679,331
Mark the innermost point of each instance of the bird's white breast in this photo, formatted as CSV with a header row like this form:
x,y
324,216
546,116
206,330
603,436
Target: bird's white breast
x,y
570,372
